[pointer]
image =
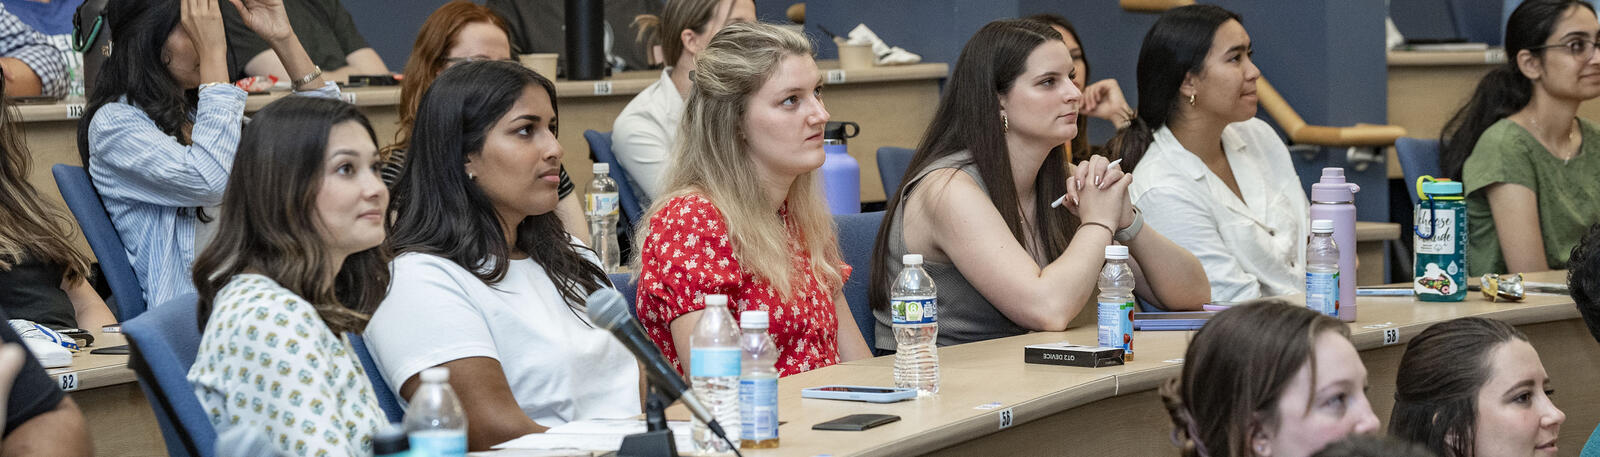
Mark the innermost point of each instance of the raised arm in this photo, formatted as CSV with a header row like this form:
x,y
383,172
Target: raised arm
x,y
269,20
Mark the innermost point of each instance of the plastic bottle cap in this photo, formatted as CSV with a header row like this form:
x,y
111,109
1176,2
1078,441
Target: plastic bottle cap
x,y
1442,188
717,300
602,168
436,374
1117,252
911,259
753,319
390,439
1322,226
1332,188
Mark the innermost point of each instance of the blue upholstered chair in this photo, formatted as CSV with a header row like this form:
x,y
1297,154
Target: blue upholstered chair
x,y
856,235
85,205
1418,157
892,164
380,387
625,284
164,343
600,146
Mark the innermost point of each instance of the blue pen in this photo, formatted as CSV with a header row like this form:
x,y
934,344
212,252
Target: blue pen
x,y
1384,292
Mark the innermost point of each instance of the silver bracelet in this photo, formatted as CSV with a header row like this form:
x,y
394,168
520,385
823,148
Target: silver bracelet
x,y
316,71
1133,228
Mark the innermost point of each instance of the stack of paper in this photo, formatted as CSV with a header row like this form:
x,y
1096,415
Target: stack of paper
x,y
595,435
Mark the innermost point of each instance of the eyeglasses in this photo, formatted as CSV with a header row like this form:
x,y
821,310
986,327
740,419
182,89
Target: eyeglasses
x,y
453,61
1578,48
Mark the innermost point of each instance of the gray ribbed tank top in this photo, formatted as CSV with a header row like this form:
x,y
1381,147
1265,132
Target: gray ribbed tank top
x,y
964,315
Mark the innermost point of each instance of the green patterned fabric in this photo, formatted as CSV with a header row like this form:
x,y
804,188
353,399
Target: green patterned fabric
x,y
267,360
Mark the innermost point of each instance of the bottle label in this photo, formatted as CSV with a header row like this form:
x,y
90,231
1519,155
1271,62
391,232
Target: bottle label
x,y
438,443
714,362
1116,325
758,408
914,310
1443,230
1322,292
601,204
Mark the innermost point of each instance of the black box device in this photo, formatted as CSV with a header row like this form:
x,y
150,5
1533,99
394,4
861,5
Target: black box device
x,y
1072,355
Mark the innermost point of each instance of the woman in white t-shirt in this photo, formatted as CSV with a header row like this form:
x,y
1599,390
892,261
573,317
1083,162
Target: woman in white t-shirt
x,y
485,281
1211,177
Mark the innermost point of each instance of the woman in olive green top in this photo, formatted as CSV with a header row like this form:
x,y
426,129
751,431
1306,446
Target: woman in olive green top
x,y
1531,168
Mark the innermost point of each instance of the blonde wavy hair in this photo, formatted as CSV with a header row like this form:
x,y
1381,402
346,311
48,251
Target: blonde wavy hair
x,y
711,158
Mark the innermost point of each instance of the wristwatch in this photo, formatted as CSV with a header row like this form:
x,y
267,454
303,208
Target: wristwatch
x,y
1133,228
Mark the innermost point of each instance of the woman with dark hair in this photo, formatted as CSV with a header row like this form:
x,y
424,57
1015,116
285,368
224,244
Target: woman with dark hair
x,y
1474,387
1527,160
1211,176
42,277
976,203
644,133
1268,378
1103,99
298,260
486,282
458,32
157,147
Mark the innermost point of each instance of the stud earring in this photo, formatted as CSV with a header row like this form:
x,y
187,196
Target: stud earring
x,y
471,177
1005,123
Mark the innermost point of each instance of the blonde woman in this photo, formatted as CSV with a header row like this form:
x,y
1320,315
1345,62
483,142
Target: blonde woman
x,y
742,214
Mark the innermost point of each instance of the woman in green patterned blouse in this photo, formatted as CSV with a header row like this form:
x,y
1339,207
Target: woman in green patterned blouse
x,y
297,261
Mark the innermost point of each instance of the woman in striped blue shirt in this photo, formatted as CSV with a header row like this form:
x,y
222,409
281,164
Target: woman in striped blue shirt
x,y
158,148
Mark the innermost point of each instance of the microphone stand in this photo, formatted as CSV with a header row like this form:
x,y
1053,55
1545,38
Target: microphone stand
x,y
657,440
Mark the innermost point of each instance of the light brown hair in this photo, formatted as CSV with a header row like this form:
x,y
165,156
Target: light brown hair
x,y
434,40
676,16
30,227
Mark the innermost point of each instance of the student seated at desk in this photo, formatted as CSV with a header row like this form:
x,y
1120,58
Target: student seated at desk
x,y
39,419
1268,378
1528,162
538,26
1475,387
329,37
486,282
31,63
42,277
644,133
158,153
743,214
459,32
1583,279
1213,177
1103,99
296,263
976,202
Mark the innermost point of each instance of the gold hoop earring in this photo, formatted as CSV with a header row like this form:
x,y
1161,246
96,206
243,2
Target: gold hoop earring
x,y
1191,99
1005,123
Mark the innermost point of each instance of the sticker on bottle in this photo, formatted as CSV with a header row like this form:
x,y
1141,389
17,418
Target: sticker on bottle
x,y
714,362
914,310
602,204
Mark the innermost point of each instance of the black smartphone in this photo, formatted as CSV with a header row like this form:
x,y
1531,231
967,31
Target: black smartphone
x,y
856,422
114,350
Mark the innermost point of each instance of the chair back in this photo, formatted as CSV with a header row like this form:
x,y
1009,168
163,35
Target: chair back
x,y
625,285
84,202
857,232
164,342
892,164
386,398
1418,157
600,147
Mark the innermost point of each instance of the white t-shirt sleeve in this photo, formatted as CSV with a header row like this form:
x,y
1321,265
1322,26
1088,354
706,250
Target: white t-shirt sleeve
x,y
429,317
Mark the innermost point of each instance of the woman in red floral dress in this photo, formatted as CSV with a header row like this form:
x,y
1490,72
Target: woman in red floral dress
x,y
743,214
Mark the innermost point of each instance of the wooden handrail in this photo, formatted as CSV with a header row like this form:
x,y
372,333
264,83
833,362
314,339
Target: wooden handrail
x,y
1153,6
1360,135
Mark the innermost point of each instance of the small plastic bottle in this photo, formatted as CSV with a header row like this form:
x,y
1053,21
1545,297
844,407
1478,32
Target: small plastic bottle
x,y
1116,302
435,424
1322,269
758,383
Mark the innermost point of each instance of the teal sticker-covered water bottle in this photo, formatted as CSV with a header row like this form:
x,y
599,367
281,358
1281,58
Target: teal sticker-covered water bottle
x,y
1440,241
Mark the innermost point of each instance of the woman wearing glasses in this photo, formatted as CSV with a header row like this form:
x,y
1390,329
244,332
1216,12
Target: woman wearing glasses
x,y
1527,161
462,31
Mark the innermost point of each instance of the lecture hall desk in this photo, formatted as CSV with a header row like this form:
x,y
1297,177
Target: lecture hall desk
x,y
121,422
1117,412
893,105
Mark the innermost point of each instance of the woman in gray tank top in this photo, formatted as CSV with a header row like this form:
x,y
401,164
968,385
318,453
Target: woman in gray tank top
x,y
977,202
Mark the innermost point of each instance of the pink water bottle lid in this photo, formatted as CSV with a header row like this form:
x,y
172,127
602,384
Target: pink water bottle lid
x,y
1333,188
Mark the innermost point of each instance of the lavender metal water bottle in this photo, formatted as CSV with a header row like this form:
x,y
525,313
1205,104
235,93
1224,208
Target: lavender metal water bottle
x,y
1334,199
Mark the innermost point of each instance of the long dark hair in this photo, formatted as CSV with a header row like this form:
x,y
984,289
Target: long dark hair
x,y
1080,143
135,69
439,211
1236,369
1505,90
1436,388
1583,278
269,223
1175,47
30,227
968,119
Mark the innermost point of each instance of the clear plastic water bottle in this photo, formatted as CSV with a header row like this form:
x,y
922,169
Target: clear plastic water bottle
x,y
1116,302
714,355
758,383
391,441
914,307
1322,269
601,207
434,422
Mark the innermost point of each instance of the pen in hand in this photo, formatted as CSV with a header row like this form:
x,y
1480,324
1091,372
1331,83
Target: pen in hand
x,y
1063,199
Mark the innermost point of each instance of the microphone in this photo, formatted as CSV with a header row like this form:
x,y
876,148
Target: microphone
x,y
608,310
